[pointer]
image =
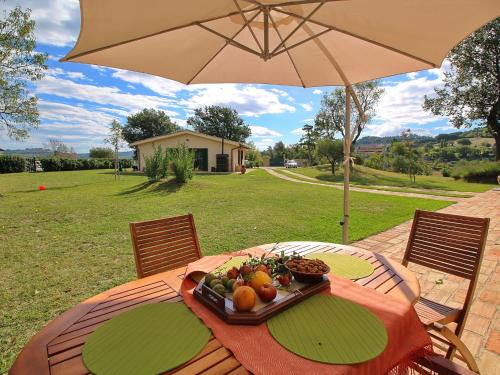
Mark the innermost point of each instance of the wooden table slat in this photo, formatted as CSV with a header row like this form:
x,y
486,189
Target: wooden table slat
x,y
63,346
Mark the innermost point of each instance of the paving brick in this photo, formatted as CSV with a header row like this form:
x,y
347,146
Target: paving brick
x,y
481,332
493,343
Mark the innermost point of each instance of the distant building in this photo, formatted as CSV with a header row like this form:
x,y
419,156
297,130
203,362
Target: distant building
x,y
367,150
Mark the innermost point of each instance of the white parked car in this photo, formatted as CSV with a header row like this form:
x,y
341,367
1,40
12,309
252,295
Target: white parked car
x,y
291,164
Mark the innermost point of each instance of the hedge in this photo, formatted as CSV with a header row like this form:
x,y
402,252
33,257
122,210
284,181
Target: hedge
x,y
57,164
12,164
485,172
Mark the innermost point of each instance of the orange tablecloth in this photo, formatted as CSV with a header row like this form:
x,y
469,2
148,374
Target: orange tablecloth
x,y
257,351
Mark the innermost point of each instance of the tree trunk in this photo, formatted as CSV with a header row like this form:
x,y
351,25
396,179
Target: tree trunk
x,y
497,146
333,167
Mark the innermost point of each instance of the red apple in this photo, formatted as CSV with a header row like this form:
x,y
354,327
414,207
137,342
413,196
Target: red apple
x,y
233,273
245,270
285,279
262,267
267,292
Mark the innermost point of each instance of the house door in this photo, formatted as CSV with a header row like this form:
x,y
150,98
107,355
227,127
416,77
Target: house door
x,y
201,159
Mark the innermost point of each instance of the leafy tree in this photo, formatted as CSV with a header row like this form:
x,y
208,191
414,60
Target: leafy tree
x,y
254,156
115,139
146,124
464,142
308,141
220,122
331,149
60,150
156,164
101,153
182,161
20,65
331,116
471,92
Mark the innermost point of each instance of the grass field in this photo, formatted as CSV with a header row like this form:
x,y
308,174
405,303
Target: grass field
x,y
63,245
364,176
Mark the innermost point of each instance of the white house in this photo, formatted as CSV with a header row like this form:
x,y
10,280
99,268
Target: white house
x,y
212,154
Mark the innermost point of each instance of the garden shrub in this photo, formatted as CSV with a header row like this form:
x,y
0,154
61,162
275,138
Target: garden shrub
x,y
182,162
12,164
156,164
485,172
446,172
61,164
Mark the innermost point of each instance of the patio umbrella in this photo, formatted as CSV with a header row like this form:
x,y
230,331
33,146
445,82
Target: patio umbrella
x,y
282,42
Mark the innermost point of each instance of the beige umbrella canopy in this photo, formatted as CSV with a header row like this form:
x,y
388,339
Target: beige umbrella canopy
x,y
282,42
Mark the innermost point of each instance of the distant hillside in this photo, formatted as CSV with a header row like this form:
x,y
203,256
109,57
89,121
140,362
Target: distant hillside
x,y
472,133
371,140
121,155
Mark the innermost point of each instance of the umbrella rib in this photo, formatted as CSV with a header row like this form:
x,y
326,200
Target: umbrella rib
x,y
68,58
229,40
359,37
247,24
287,51
303,21
220,50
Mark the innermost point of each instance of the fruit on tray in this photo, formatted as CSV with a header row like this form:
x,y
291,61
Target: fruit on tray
x,y
208,278
229,284
244,298
267,292
237,284
263,268
233,273
219,288
285,279
260,278
214,282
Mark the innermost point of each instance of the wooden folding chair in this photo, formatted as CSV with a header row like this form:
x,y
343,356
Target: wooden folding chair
x,y
441,366
164,244
455,245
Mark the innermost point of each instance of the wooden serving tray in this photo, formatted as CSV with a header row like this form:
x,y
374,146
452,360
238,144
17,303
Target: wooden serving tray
x,y
223,306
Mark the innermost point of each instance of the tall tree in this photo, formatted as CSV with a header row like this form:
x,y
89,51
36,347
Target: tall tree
x,y
115,139
331,149
307,140
20,65
331,116
146,124
220,122
471,92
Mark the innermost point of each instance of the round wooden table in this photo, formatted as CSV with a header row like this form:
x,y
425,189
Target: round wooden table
x,y
57,348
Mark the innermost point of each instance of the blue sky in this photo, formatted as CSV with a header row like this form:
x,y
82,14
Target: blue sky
x,y
77,102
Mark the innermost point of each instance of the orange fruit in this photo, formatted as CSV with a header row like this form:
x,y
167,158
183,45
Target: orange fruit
x,y
244,298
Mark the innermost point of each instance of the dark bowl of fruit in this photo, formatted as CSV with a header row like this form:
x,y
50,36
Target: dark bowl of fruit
x,y
307,271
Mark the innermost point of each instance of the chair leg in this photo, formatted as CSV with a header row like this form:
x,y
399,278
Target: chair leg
x,y
456,344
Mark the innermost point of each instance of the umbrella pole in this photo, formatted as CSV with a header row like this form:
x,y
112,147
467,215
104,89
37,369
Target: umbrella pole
x,y
347,158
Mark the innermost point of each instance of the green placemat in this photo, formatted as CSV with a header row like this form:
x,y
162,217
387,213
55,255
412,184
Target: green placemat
x,y
236,261
148,340
346,266
330,330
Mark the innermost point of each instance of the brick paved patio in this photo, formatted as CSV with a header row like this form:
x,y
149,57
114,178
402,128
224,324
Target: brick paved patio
x,y
482,331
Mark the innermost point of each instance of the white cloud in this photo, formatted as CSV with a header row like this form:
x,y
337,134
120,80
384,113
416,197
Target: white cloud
x,y
53,85
401,105
264,143
159,85
76,75
247,100
261,131
317,92
307,106
297,131
57,21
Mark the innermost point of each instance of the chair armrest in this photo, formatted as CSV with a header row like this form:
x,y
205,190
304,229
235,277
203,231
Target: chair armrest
x,y
443,366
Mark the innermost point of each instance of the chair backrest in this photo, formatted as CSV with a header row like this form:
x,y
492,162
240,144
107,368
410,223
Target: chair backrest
x,y
449,243
164,244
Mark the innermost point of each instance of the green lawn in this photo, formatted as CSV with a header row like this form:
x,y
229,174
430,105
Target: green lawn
x,y
364,176
63,245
